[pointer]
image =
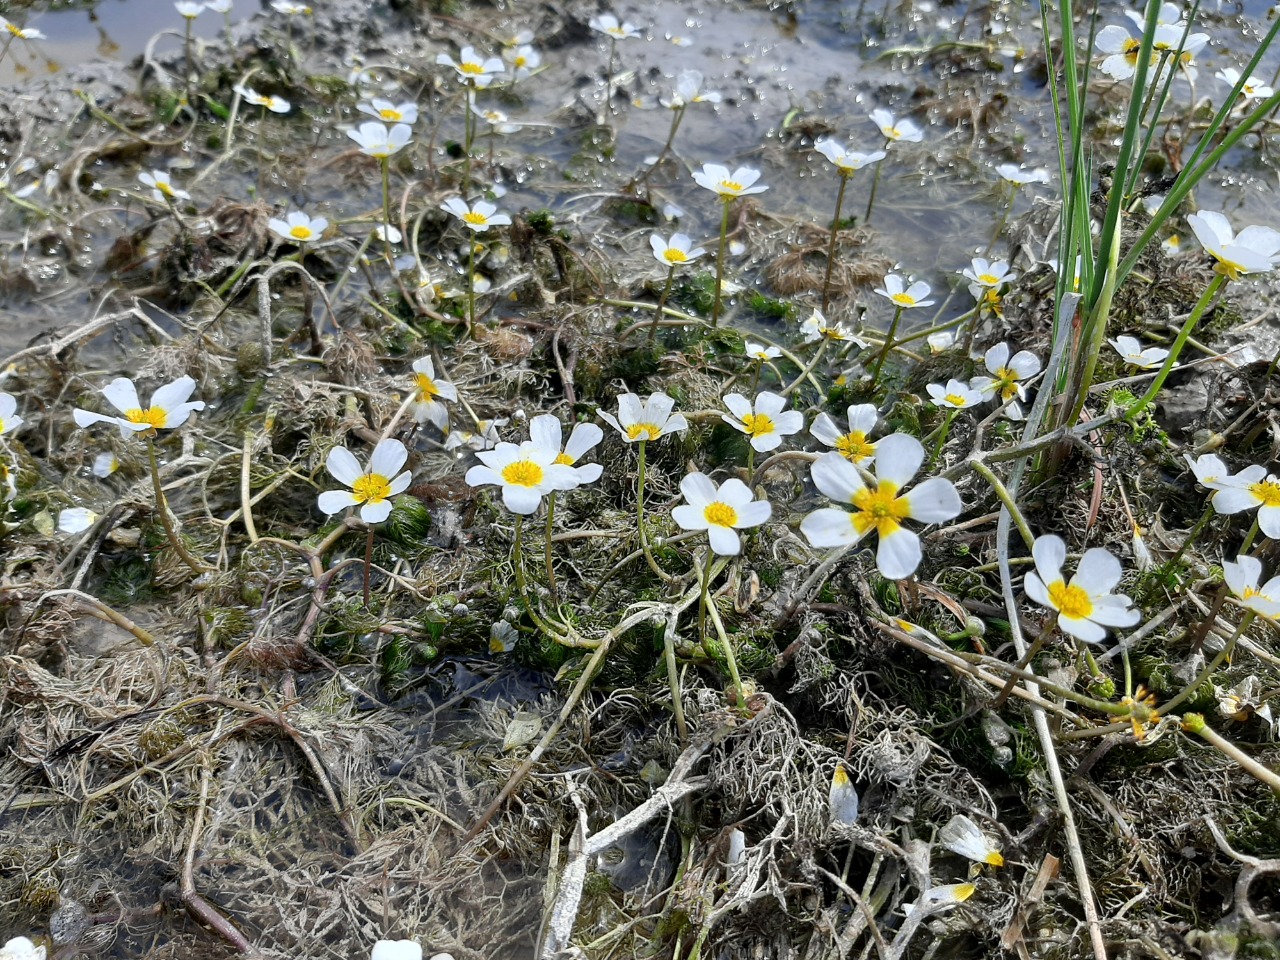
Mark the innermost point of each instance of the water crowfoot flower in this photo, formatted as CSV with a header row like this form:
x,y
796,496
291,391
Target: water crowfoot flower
x,y
1007,374
1020,176
526,473
545,431
961,835
428,392
726,186
396,950
1252,89
608,24
162,188
389,112
472,68
1085,605
1133,353
956,395
298,227
847,162
903,297
946,895
648,420
853,444
522,59
818,327
9,419
881,508
1253,250
20,33
169,407
20,948
764,420
842,798
477,218
377,140
1252,488
252,97
372,489
721,511
1242,578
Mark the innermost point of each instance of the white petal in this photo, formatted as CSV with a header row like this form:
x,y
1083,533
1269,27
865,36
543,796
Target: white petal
x,y
863,416
898,457
829,527
388,457
333,501
522,500
375,512
933,501
738,405
724,540
1243,574
343,466
482,476
754,513
584,438
1049,552
898,554
698,489
400,484
836,477
545,432
824,429
689,517
1036,590
1114,611
1233,500
1082,629
1098,573
122,394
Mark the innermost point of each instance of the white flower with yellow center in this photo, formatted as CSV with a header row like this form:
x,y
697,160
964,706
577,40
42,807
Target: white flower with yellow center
x,y
759,352
956,395
219,6
1020,176
376,140
895,290
389,112
472,68
9,419
895,130
477,217
169,407
988,274
526,473
499,121
722,511
1121,52
427,394
105,464
1212,473
676,251
882,507
22,33
852,444
396,950
937,898
1242,578
522,60
188,9
1085,605
372,489
545,431
688,89
1252,488
764,421
291,8
1133,353
608,24
161,184
483,437
842,797
297,227
1007,373
818,327
74,520
728,185
961,835
847,161
1253,250
647,420
1252,88
253,97
20,948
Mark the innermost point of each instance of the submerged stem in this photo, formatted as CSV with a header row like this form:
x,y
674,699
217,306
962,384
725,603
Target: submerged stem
x,y
831,244
724,233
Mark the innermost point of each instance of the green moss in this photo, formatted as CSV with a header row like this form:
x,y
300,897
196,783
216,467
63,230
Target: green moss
x,y
128,582
409,522
696,294
769,307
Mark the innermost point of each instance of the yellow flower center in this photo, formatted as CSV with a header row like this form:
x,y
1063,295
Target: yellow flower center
x,y
965,890
520,61
1,426
154,417
475,69
1268,491
390,114
301,233
163,187
892,133
879,509
731,186
269,102
1232,270
1131,48
1070,601
371,488
522,473
841,777
634,431
564,459
903,299
672,255
476,219
426,387
954,399
758,424
854,447
13,29
988,279
720,514
995,858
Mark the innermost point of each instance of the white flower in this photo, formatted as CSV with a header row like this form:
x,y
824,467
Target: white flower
x,y
483,437
169,407
1211,472
522,59
396,950
473,68
957,394
291,8
1252,89
671,253
721,512
758,351
1085,605
105,464
881,508
20,948
219,6
1132,352
188,9
76,520
1007,374
764,421
22,33
376,140
842,797
940,342
389,112
845,160
688,89
479,216
1252,488
500,122
991,274
853,444
1253,250
161,185
895,289
252,96
9,419
1020,176
818,327
1242,578
371,489
1169,14
1121,49
428,392
961,835
299,227
608,24
728,185
949,894
546,432
526,473
894,129
649,420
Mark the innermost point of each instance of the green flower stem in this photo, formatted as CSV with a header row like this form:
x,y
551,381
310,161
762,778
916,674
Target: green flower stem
x,y
724,233
4,51
662,302
751,460
1192,319
608,78
644,539
1191,536
942,434
468,132
368,563
806,370
1004,218
831,244
1248,537
551,513
1002,492
471,286
875,184
673,679
187,51
730,660
162,508
1223,655
385,163
1194,723
704,585
888,345
671,136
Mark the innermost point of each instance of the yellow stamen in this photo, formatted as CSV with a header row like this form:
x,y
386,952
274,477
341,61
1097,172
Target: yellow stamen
x,y
672,255
1267,491
880,509
426,387
720,514
988,279
301,233
758,424
1070,601
954,399
390,114
636,429
163,187
522,473
371,488
903,299
564,459
731,186
477,219
153,416
854,447
475,69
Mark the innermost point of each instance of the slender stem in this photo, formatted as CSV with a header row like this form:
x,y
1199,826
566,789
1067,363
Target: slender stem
x,y
1194,723
187,49
468,132
662,302
4,51
673,678
1192,319
1008,209
1248,537
671,137
998,487
705,579
831,244
644,539
368,563
724,233
751,460
888,345
608,78
385,163
551,512
808,369
730,660
1191,536
875,183
471,286
162,507
942,434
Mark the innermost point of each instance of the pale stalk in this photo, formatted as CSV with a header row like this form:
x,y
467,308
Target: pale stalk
x,y
724,233
385,163
1192,319
831,244
730,660
805,371
551,513
875,183
888,345
471,285
662,302
1191,536
187,50
644,539
1194,723
705,580
162,507
1248,537
1008,209
942,434
468,131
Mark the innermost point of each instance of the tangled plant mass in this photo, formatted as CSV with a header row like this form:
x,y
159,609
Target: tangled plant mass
x,y
848,528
